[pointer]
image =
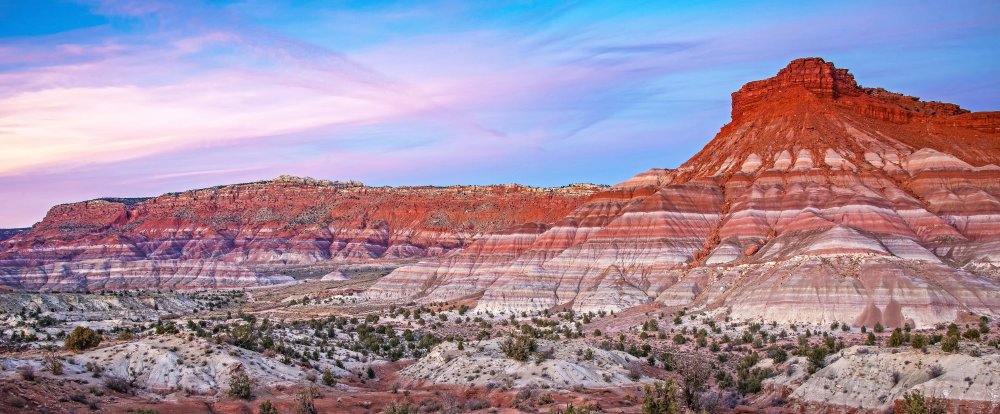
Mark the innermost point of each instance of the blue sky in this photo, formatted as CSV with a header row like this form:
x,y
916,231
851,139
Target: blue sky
x,y
116,98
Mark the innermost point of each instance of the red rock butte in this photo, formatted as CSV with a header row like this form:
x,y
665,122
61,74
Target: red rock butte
x,y
821,201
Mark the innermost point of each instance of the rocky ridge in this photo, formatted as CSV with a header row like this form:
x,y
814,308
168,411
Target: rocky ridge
x,y
8,233
484,364
245,234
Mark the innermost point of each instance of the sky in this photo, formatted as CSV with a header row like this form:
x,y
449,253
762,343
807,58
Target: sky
x,y
106,98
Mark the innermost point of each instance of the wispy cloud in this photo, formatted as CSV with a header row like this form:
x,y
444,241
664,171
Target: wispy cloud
x,y
146,97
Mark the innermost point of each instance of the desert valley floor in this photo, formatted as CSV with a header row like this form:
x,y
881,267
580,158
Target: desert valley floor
x,y
834,249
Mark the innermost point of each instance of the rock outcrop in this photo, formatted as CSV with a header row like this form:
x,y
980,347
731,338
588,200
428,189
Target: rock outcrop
x,y
243,235
8,233
821,201
484,364
863,378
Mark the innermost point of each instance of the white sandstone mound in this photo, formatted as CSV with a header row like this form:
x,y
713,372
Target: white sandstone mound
x,y
335,275
483,363
167,364
871,378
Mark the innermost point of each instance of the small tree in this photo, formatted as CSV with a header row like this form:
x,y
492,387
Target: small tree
x,y
82,338
305,404
695,378
328,378
971,334
949,343
240,384
915,403
896,339
661,398
266,408
817,358
519,348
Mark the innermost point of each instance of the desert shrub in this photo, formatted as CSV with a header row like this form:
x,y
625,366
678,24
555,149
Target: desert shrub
x,y
949,343
27,372
879,328
570,409
718,401
519,348
896,339
16,402
240,384
82,338
328,378
778,354
935,371
244,336
749,378
94,369
400,408
817,358
633,373
915,403
476,404
695,379
661,398
55,365
918,341
169,328
971,334
266,408
544,354
669,363
305,403
117,384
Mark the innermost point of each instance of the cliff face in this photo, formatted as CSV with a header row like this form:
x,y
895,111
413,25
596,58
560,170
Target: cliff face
x,y
821,201
242,235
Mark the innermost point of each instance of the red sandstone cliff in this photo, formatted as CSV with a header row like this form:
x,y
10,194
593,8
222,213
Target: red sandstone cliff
x,y
821,201
241,235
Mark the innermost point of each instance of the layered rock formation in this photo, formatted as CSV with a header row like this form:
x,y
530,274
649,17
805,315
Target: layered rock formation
x,y
244,234
821,201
